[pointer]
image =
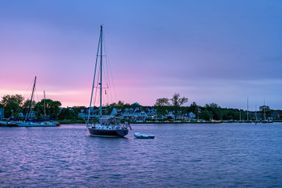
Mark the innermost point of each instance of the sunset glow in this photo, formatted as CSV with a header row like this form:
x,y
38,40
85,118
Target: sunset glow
x,y
209,52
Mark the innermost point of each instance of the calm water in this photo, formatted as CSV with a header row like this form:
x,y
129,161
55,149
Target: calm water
x,y
225,155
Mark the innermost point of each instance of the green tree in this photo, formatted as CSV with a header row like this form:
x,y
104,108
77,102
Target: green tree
x,y
206,115
161,105
119,105
12,105
162,102
195,109
52,108
177,102
215,110
67,113
26,106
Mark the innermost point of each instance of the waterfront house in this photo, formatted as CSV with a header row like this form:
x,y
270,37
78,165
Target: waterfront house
x,y
134,115
83,114
191,116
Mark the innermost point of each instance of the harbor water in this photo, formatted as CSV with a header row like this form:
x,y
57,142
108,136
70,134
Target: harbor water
x,y
181,155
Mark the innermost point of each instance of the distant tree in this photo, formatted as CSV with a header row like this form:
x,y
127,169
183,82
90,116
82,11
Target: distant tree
x,y
195,108
52,108
215,110
26,106
212,106
72,113
120,105
206,115
40,111
67,113
177,102
161,106
230,114
12,105
135,105
162,102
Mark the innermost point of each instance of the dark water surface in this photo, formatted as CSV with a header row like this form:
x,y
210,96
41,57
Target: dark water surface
x,y
222,155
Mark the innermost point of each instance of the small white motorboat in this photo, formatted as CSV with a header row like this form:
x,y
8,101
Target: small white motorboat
x,y
143,136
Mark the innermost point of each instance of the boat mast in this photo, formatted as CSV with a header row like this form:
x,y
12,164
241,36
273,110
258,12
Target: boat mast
x,y
256,113
31,99
101,64
44,104
247,108
93,82
264,116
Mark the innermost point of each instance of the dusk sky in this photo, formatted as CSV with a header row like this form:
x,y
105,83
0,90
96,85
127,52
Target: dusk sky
x,y
207,50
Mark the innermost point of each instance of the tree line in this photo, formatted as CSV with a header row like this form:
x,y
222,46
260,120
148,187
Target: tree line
x,y
15,106
212,111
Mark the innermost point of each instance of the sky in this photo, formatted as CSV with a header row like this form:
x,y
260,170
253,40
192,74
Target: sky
x,y
207,50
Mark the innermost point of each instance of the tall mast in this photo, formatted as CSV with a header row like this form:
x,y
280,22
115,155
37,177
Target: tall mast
x,y
31,99
256,113
44,104
101,73
264,117
93,82
247,108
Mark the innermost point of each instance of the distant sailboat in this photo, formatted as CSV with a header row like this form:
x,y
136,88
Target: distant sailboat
x,y
247,120
107,125
265,120
29,122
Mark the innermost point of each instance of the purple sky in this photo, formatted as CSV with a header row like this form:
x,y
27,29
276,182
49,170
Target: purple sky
x,y
209,51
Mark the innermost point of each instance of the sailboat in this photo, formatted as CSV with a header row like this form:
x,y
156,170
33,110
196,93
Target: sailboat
x,y
108,126
265,120
28,122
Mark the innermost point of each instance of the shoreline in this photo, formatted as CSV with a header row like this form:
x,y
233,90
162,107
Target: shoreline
x,y
66,122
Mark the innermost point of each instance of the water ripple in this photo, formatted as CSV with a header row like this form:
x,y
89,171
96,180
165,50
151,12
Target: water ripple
x,y
180,156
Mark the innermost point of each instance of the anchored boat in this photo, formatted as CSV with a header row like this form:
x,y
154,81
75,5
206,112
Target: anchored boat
x,y
106,125
29,122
